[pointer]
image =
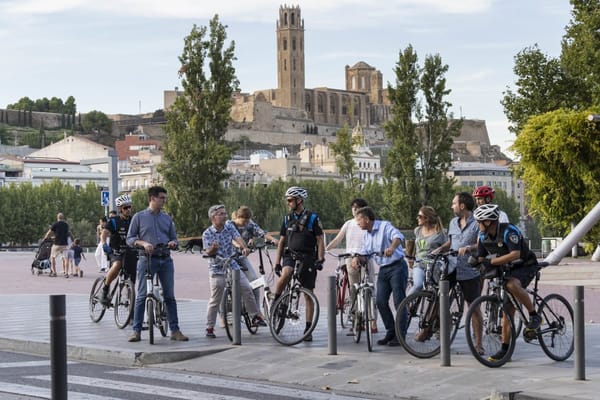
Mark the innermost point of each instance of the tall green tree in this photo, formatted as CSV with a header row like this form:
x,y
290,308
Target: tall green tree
x,y
195,152
343,148
96,121
560,162
541,86
422,132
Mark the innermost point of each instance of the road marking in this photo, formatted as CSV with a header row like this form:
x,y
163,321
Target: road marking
x,y
31,364
228,384
139,388
43,393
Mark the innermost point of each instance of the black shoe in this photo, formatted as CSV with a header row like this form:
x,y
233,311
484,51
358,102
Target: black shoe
x,y
534,322
258,321
394,343
384,341
499,355
104,298
308,338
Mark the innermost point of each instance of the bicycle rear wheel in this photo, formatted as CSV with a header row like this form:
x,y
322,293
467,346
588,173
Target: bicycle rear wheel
x,y
124,301
556,333
288,316
457,305
226,312
344,303
422,337
368,303
161,318
492,312
151,319
96,309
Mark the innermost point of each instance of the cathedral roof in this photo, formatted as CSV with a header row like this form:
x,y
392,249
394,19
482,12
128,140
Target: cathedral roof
x,y
361,65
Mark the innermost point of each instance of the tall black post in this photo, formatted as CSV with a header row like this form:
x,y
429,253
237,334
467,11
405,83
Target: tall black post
x,y
579,334
58,347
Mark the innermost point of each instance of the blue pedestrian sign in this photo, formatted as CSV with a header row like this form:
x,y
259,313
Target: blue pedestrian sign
x,y
104,198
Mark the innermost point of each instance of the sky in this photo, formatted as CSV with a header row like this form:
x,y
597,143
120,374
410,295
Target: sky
x,y
118,56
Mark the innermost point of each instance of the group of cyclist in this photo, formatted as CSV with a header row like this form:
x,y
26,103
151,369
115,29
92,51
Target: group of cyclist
x,y
479,228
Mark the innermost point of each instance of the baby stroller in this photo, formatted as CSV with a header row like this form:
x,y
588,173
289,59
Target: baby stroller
x,y
41,262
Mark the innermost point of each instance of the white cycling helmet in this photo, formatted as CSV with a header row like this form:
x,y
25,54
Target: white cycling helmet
x,y
296,191
487,212
124,200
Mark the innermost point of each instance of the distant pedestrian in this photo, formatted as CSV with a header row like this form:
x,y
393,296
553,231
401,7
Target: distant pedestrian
x,y
77,256
70,257
60,230
101,260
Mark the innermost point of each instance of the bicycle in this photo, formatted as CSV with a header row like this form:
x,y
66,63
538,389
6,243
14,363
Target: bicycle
x,y
123,293
156,310
343,303
226,307
422,336
287,321
268,279
362,304
555,335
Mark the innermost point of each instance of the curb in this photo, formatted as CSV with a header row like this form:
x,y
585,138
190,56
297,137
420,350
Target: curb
x,y
108,356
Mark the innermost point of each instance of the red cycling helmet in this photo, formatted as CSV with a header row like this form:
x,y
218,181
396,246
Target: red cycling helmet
x,y
484,191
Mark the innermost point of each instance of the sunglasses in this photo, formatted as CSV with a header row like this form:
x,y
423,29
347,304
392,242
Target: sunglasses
x,y
290,200
126,207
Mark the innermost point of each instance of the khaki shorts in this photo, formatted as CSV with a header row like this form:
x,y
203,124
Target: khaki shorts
x,y
58,250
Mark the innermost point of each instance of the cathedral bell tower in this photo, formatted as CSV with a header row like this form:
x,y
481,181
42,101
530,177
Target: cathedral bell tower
x,y
290,58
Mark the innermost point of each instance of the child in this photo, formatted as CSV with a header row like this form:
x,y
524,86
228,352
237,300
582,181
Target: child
x,y
77,255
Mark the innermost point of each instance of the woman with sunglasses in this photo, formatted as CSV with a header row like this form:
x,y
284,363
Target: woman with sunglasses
x,y
429,235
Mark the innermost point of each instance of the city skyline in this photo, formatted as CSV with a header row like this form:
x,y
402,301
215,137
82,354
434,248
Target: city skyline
x,y
119,56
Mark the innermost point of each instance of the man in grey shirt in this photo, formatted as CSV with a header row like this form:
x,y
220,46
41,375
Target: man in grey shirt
x,y
154,231
462,237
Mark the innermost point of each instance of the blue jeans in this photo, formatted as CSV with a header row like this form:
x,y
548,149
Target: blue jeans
x,y
391,280
164,268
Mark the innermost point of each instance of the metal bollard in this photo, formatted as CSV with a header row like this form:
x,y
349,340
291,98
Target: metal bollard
x,y
58,347
444,323
331,313
236,308
579,334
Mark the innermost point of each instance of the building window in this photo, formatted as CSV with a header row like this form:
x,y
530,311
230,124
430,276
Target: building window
x,y
292,19
285,64
294,44
284,44
293,64
320,102
285,18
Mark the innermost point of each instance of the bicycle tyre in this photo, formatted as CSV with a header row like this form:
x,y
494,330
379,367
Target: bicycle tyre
x,y
368,303
226,312
357,320
457,305
96,309
288,316
161,318
151,319
422,338
492,311
343,298
556,335
124,301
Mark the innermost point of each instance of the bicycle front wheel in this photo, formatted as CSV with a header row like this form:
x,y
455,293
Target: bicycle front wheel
x,y
420,310
288,321
96,309
368,317
556,332
124,301
485,317
151,319
357,320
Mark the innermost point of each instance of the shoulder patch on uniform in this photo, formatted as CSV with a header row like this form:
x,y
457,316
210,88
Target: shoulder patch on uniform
x,y
513,237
